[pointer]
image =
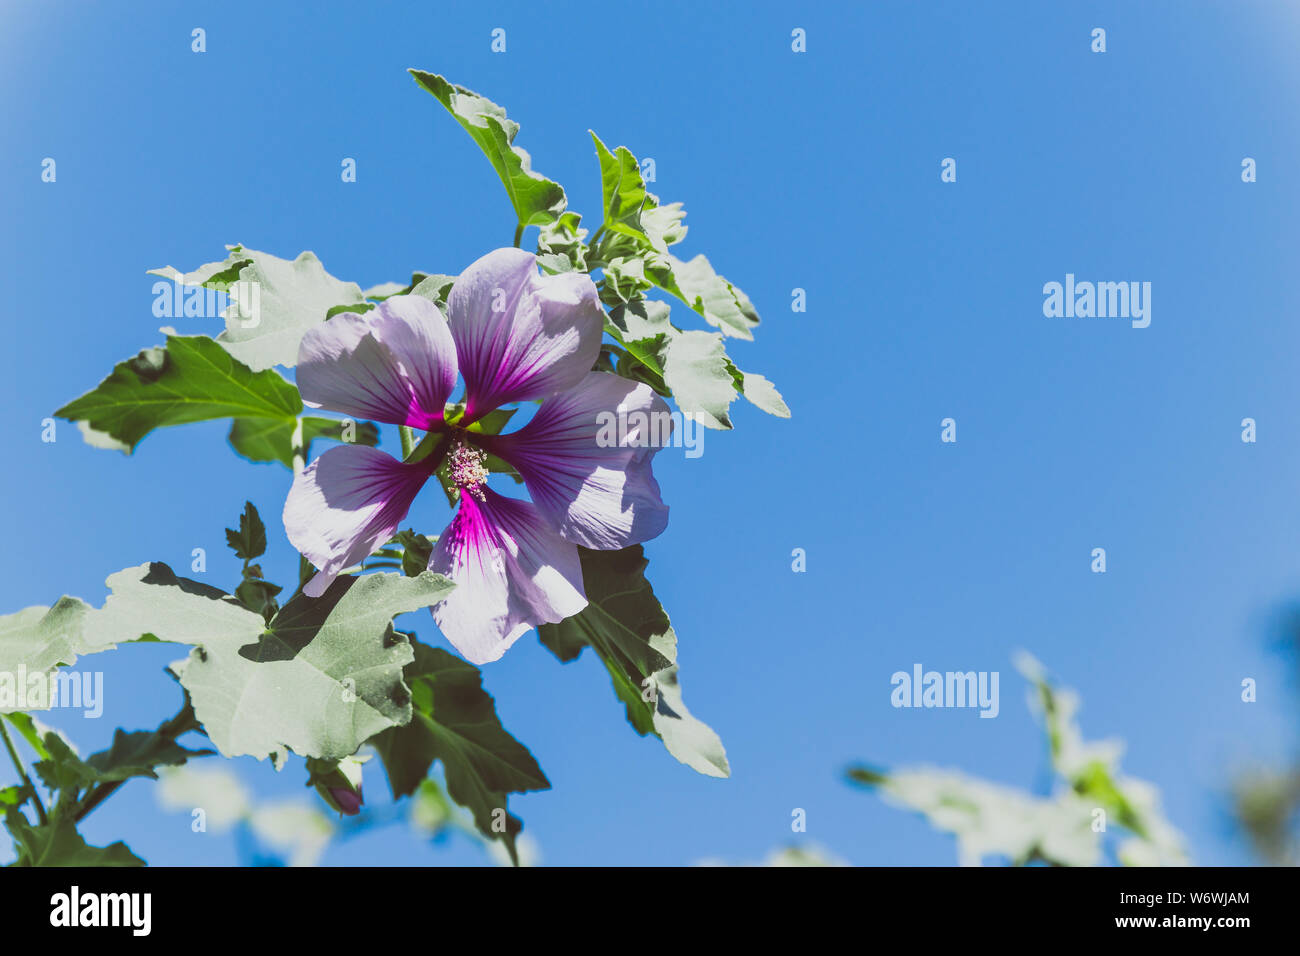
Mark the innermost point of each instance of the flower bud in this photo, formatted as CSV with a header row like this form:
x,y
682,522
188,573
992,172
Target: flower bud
x,y
338,783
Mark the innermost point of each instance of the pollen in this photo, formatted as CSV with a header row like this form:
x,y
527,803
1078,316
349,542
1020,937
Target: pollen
x,y
467,468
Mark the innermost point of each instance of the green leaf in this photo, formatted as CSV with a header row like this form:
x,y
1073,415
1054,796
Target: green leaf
x,y
32,731
629,209
192,379
323,678
624,281
536,200
435,288
690,365
663,224
385,290
59,844
135,754
249,541
432,286
63,771
628,629
762,393
643,329
36,641
643,320
698,371
258,595
455,722
218,276
709,294
634,256
416,550
279,300
272,441
150,601
560,245
622,189
139,753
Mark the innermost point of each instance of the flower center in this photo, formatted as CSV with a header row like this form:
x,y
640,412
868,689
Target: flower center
x,y
467,468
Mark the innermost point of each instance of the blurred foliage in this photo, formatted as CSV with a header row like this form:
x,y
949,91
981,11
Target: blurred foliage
x,y
1090,798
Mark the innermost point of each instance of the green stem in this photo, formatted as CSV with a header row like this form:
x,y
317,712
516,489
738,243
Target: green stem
x,y
408,440
519,234
593,252
22,772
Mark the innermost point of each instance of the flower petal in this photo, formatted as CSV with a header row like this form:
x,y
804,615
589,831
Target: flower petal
x,y
521,335
345,504
512,572
586,459
395,364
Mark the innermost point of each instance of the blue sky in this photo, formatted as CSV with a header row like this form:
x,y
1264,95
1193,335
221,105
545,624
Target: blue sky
x,y
817,170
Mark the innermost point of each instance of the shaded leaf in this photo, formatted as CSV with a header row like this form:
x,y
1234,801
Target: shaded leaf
x,y
59,844
192,379
416,550
272,441
133,754
249,541
139,753
455,722
628,629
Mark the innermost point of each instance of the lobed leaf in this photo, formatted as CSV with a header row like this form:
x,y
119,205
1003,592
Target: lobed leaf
x,y
323,677
537,200
290,297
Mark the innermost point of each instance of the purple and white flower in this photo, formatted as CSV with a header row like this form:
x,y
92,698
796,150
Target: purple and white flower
x,y
512,335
